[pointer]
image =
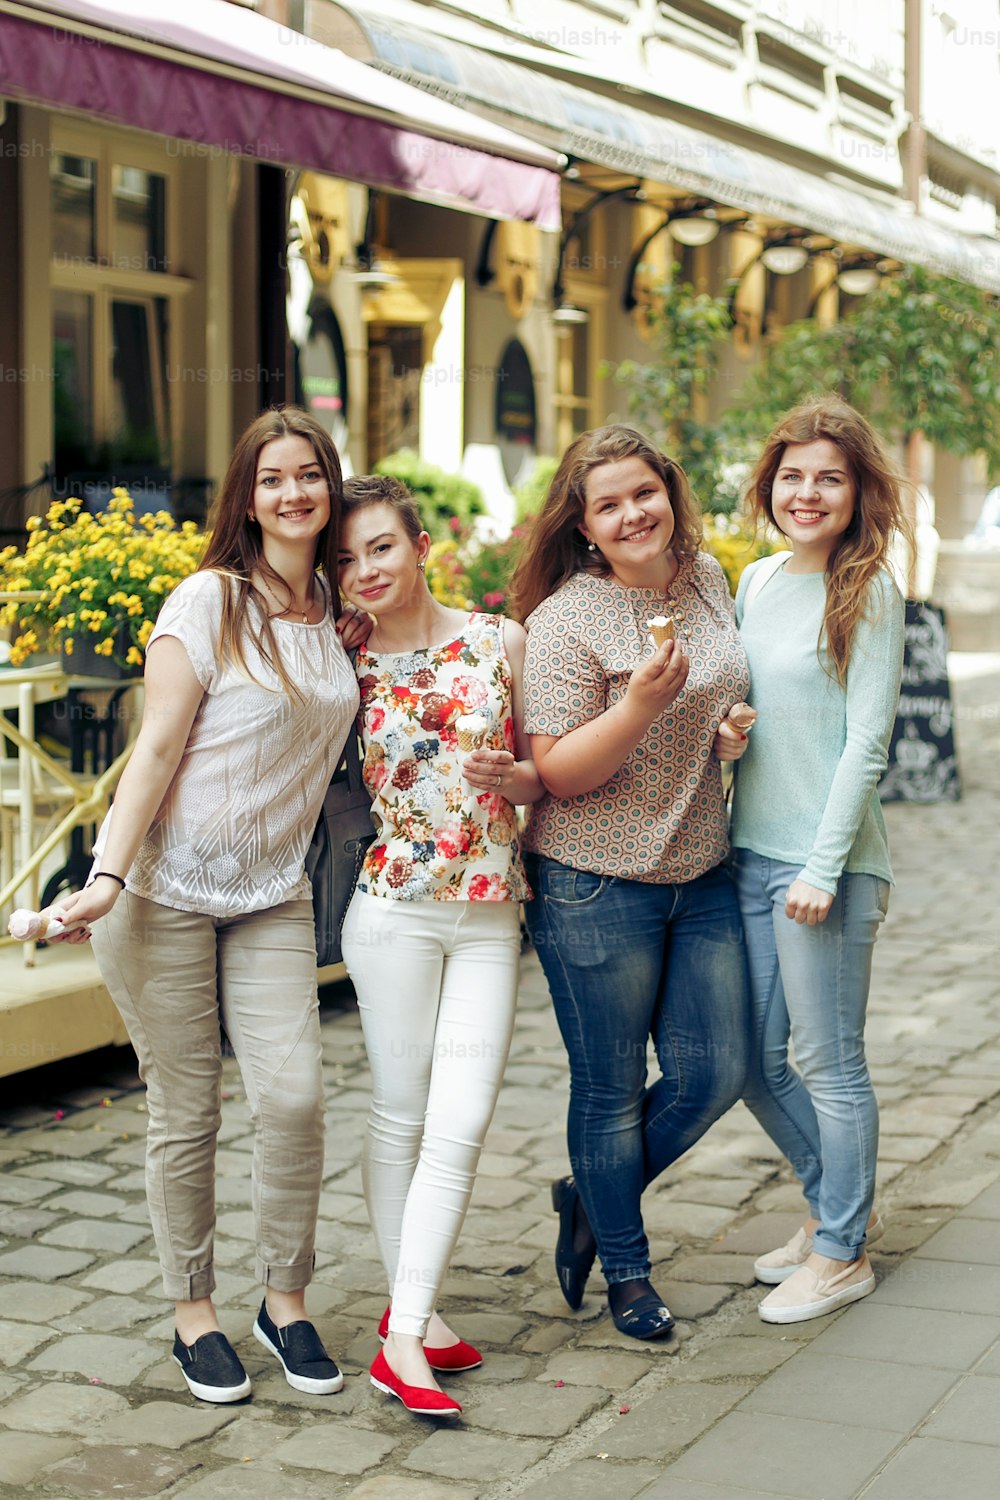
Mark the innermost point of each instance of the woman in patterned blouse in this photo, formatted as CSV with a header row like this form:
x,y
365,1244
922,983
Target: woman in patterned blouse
x,y
432,938
635,919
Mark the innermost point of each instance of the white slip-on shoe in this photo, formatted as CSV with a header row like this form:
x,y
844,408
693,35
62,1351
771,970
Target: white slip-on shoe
x,y
806,1294
777,1265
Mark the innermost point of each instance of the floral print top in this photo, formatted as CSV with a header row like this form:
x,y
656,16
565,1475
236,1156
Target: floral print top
x,y
437,839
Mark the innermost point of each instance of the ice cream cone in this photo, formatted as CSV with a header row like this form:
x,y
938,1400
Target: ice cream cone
x,y
33,926
661,628
742,716
470,731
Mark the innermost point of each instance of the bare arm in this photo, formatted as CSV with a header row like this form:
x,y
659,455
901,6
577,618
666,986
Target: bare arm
x,y
585,758
519,781
173,694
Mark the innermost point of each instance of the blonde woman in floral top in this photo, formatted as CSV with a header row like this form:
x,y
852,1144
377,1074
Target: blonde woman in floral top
x,y
431,939
635,918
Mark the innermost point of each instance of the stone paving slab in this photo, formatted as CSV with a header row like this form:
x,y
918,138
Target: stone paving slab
x,y
929,1469
860,1392
793,1456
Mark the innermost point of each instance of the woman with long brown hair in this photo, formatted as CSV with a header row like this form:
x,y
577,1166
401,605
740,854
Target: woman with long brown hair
x,y
200,896
822,626
635,918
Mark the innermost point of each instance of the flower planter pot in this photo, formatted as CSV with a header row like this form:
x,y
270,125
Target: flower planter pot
x,y
84,661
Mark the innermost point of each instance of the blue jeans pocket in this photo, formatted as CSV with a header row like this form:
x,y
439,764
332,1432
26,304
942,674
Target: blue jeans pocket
x,y
570,917
566,887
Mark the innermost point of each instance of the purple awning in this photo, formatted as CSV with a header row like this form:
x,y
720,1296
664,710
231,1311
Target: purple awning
x,y
249,92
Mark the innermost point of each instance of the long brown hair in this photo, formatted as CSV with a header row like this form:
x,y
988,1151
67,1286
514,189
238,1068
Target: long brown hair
x,y
236,545
556,548
864,548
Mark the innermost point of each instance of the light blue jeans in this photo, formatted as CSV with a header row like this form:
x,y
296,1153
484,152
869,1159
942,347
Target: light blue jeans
x,y
811,984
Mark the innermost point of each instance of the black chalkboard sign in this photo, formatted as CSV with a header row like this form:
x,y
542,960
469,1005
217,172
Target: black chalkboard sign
x,y
922,763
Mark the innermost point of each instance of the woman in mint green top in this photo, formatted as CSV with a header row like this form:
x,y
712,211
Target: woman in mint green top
x,y
822,626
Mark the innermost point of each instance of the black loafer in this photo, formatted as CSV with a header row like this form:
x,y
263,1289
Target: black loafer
x,y
307,1365
573,1266
212,1368
645,1318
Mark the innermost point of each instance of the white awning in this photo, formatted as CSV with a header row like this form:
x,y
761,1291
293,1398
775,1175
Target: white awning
x,y
630,140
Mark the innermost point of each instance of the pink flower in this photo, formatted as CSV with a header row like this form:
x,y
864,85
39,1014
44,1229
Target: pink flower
x,y
471,691
374,719
485,888
448,841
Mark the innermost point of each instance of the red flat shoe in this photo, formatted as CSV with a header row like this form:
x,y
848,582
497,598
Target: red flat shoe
x,y
415,1398
455,1358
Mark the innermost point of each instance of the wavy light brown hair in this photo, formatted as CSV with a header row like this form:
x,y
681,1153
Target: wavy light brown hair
x,y
864,548
555,548
236,544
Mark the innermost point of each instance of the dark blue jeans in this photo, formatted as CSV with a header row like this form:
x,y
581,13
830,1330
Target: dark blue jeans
x,y
626,961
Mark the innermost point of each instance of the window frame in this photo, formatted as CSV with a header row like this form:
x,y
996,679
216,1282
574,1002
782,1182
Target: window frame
x,y
104,282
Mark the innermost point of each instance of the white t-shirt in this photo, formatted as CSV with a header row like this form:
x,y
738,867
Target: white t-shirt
x,y
232,832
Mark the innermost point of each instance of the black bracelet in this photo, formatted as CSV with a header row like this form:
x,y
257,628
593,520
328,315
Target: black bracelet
x,y
98,873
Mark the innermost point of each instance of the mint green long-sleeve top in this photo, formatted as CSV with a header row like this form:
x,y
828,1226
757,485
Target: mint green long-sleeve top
x,y
806,785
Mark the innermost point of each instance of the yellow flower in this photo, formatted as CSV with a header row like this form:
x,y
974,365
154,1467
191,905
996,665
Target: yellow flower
x,y
79,563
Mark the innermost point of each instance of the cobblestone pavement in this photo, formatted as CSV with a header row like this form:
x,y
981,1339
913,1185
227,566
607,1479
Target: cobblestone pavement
x,y
895,1397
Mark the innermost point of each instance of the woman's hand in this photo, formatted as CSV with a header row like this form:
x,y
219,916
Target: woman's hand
x,y
804,903
354,627
489,770
730,742
87,906
656,683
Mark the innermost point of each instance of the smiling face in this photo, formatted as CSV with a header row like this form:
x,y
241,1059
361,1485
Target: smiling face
x,y
291,498
812,499
379,561
628,516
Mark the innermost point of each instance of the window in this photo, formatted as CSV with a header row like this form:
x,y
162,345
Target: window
x,y
112,294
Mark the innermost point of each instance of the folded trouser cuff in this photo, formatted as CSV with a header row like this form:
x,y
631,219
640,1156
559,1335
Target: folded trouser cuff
x,y
285,1278
189,1288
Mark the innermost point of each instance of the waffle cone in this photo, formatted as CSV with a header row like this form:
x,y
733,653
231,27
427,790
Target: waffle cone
x,y
662,633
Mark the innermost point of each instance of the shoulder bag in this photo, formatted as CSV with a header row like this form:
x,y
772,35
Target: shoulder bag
x,y
338,848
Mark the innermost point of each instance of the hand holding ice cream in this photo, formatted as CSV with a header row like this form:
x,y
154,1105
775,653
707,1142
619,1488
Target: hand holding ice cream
x,y
742,717
731,736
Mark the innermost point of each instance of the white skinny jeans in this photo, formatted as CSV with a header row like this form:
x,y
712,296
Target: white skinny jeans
x,y
437,986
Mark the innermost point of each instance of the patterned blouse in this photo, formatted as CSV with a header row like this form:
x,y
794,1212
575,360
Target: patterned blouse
x,y
232,832
661,818
438,839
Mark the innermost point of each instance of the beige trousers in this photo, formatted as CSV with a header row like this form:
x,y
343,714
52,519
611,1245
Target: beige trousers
x,y
172,974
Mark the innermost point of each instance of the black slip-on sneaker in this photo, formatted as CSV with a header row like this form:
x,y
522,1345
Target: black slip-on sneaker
x,y
307,1365
212,1368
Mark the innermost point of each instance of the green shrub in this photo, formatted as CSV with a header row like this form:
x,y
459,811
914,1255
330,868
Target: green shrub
x,y
440,496
529,497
